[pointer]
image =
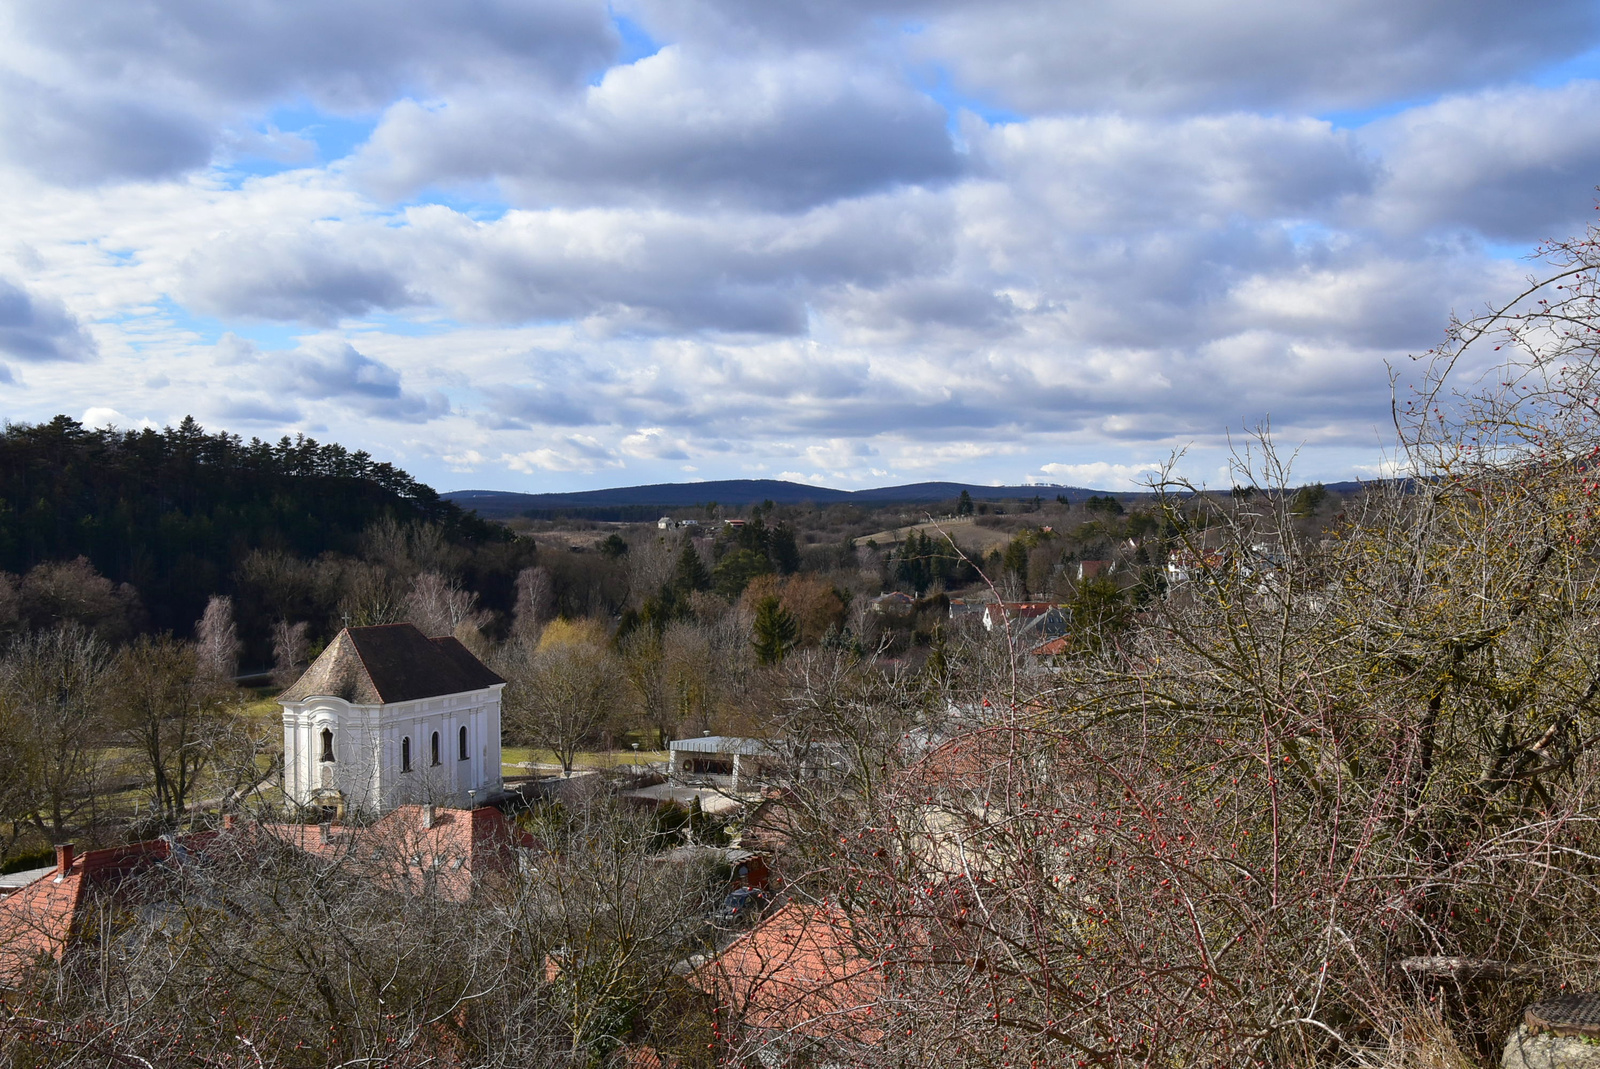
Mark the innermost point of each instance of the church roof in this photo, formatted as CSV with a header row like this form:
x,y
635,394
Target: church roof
x,y
390,663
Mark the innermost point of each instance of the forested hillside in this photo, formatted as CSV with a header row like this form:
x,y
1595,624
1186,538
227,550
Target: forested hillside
x,y
174,513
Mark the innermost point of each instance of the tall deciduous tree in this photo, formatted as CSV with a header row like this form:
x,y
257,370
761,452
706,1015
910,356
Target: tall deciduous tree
x,y
291,652
173,713
216,642
439,607
534,604
563,693
53,684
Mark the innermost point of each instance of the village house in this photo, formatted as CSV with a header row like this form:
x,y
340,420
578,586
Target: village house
x,y
387,716
40,909
894,603
1094,569
1028,621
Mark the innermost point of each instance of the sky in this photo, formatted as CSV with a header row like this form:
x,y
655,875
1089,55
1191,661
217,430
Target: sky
x,y
547,245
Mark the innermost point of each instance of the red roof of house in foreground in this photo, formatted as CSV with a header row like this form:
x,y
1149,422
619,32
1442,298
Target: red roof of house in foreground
x,y
38,919
796,972
408,856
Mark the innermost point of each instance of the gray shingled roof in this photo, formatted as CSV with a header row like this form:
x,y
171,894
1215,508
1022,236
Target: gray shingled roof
x,y
390,663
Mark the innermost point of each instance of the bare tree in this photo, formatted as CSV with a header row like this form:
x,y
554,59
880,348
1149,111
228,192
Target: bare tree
x,y
535,602
58,592
54,682
249,951
692,674
173,713
290,652
562,694
643,670
438,606
217,642
10,603
370,594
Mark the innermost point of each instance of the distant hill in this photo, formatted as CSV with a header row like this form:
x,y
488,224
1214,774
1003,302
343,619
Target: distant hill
x,y
736,493
643,502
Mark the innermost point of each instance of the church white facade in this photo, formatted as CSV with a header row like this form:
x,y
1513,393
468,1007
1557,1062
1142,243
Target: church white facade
x,y
388,717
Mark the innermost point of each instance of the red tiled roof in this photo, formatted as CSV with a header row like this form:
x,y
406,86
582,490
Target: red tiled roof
x,y
970,760
796,972
644,1058
398,850
38,919
1054,648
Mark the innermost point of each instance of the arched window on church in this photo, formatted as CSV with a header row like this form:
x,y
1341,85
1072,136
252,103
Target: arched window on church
x,y
327,744
433,751
463,747
405,754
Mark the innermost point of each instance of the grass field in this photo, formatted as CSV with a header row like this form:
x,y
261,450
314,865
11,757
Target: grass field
x,y
968,535
513,758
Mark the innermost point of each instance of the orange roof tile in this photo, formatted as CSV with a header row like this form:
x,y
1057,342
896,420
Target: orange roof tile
x,y
398,850
38,919
796,972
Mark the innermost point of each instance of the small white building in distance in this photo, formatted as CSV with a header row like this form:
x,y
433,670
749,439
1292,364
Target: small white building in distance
x,y
386,717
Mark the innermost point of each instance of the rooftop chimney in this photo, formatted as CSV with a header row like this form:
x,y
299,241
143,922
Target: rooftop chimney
x,y
325,831
64,855
428,815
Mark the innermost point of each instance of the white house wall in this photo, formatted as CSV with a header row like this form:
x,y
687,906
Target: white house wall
x,y
367,745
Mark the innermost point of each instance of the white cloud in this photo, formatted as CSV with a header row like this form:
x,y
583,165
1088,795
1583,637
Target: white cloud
x,y
466,460
1515,164
769,246
102,416
654,443
38,328
1100,475
1147,55
574,453
677,127
148,88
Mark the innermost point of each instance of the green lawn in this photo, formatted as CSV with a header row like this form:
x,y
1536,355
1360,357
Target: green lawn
x,y
513,758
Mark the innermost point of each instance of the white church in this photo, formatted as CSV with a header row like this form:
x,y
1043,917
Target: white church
x,y
386,717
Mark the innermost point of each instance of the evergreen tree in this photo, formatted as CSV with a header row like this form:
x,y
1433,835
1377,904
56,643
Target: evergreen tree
x,y
174,511
964,506
690,574
735,570
783,550
776,631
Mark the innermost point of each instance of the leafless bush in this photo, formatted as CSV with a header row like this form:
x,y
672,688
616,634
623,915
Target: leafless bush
x,y
246,951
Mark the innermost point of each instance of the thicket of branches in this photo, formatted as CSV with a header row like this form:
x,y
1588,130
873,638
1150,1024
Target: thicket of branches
x,y
252,953
1332,801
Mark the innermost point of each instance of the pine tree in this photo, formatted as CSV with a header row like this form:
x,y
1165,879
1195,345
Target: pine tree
x,y
776,631
691,573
